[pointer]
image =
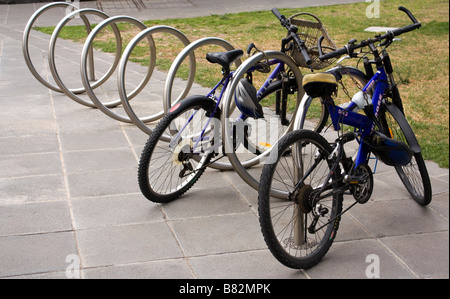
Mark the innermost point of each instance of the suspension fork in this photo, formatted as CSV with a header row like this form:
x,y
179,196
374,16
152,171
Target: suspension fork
x,y
396,99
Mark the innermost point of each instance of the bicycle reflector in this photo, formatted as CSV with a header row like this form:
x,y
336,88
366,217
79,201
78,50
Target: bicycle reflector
x,y
246,99
392,152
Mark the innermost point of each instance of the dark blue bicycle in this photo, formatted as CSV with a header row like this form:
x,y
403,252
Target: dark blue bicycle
x,y
189,137
315,174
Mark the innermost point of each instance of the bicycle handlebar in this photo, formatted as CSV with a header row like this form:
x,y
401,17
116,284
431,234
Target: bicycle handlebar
x,y
349,48
293,35
410,15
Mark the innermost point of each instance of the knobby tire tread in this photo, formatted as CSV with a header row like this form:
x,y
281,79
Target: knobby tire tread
x,y
145,158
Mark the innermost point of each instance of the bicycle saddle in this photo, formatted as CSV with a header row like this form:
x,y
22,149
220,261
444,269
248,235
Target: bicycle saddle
x,y
225,59
320,85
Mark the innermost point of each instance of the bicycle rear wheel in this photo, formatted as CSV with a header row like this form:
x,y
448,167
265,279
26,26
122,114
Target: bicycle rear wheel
x,y
414,176
300,227
178,150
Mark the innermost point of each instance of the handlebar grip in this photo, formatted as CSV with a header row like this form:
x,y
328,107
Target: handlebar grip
x,y
333,54
277,14
250,48
409,13
306,56
408,28
302,47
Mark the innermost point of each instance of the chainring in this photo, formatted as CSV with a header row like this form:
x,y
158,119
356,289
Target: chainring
x,y
363,191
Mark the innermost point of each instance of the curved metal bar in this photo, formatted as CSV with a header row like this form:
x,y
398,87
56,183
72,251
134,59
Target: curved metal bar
x,y
167,96
25,42
140,122
83,67
239,167
51,56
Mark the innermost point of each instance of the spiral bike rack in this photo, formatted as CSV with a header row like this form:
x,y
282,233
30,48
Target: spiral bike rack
x,y
120,60
87,73
87,61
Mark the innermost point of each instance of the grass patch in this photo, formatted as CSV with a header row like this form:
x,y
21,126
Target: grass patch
x,y
421,60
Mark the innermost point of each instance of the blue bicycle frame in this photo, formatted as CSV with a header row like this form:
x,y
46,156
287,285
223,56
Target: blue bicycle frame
x,y
360,122
224,83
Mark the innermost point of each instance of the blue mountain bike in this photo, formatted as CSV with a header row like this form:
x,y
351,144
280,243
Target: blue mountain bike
x,y
315,174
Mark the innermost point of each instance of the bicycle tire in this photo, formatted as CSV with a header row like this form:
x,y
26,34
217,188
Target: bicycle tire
x,y
160,165
298,248
414,176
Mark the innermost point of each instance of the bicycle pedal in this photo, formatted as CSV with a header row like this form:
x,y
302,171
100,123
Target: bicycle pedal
x,y
357,179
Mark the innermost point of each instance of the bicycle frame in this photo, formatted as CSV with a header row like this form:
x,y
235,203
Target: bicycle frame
x,y
224,83
363,123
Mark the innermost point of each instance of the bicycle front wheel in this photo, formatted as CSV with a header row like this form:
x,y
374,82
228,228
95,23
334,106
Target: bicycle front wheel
x,y
414,176
178,151
300,227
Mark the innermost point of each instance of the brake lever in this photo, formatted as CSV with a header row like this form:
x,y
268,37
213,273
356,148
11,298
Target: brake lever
x,y
319,45
386,43
250,47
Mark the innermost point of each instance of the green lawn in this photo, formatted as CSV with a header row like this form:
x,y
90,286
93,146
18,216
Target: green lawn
x,y
421,60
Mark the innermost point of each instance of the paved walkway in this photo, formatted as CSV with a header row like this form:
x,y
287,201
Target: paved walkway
x,y
68,187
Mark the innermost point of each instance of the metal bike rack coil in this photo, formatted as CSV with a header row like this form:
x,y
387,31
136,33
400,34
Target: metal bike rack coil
x,y
51,56
140,122
84,60
26,46
188,51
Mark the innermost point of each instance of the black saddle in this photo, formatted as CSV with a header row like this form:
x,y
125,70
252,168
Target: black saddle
x,y
225,59
320,85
